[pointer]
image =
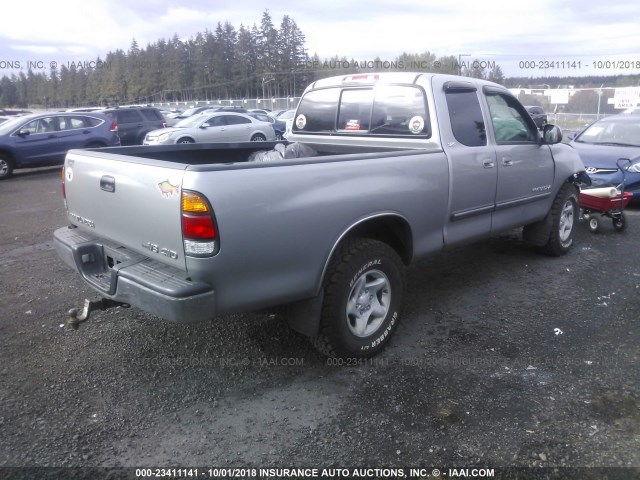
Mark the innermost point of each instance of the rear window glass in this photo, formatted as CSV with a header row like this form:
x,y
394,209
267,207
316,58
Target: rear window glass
x,y
384,110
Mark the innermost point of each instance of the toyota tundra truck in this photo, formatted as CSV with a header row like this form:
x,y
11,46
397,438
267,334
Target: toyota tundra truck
x,y
402,165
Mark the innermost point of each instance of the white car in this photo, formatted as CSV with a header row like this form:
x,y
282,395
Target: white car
x,y
213,127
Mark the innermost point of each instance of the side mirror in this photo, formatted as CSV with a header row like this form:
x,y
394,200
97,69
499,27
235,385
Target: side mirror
x,y
205,125
551,134
24,132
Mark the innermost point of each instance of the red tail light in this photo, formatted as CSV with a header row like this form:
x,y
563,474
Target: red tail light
x,y
113,127
199,231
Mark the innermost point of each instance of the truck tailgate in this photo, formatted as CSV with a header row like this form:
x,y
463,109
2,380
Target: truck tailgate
x,y
128,201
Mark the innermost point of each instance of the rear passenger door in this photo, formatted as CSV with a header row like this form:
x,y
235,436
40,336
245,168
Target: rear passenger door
x,y
238,128
472,161
129,126
525,166
74,131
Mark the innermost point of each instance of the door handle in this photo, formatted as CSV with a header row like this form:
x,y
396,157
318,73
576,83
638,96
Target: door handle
x,y
488,163
507,162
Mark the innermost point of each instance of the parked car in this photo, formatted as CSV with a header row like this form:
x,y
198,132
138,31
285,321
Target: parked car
x,y
43,139
135,122
276,113
216,127
538,115
224,109
264,111
174,119
278,125
602,143
287,118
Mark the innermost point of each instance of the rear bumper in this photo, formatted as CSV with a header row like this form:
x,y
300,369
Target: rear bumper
x,y
128,277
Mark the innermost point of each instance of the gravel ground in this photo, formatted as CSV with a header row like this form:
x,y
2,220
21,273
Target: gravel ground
x,y
504,358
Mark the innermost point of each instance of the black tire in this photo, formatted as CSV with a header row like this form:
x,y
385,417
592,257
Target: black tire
x,y
594,225
365,279
620,223
6,167
96,145
564,221
258,137
185,140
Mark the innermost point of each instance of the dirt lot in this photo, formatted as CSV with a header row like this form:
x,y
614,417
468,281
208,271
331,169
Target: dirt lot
x,y
504,358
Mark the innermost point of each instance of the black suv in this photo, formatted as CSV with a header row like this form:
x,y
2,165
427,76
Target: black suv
x,y
135,122
538,115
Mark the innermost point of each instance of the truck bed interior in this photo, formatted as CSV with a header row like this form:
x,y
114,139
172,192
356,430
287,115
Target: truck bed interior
x,y
228,153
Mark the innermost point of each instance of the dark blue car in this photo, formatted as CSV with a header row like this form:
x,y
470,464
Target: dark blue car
x,y
602,143
43,139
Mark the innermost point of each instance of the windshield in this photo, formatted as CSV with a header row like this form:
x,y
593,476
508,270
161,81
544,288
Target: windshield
x,y
612,132
192,121
10,125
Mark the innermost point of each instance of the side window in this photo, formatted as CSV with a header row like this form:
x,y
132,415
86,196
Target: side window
x,y
217,121
42,125
93,122
71,123
128,116
466,118
236,120
151,115
511,123
31,127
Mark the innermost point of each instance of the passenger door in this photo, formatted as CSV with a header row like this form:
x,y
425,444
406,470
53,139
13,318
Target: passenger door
x,y
214,132
238,128
129,126
472,161
40,143
525,165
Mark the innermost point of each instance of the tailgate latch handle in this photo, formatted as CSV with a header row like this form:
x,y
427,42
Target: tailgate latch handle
x,y
108,183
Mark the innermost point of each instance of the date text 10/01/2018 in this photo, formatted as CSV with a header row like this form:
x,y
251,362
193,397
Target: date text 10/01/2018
x,y
577,64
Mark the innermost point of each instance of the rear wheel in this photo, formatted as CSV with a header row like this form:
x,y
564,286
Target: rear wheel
x,y
96,145
185,140
6,167
258,137
564,218
363,295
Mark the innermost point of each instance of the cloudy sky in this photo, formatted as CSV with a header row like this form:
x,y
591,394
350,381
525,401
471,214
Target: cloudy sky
x,y
506,32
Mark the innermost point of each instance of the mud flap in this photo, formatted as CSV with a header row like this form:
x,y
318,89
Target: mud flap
x,y
304,316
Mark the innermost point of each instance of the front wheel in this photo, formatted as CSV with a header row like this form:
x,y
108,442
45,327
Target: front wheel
x,y
564,219
594,225
6,167
258,137
620,223
185,140
363,295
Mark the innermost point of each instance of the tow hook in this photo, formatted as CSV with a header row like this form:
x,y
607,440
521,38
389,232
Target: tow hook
x,y
102,304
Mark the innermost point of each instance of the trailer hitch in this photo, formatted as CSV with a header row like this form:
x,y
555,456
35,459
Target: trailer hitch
x,y
74,319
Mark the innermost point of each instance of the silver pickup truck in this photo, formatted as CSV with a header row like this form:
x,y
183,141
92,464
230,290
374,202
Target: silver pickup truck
x,y
403,165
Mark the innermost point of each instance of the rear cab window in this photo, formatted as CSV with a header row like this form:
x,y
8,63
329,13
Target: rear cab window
x,y
381,110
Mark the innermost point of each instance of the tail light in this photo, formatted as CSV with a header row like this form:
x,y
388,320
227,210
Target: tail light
x,y
199,229
113,127
164,124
